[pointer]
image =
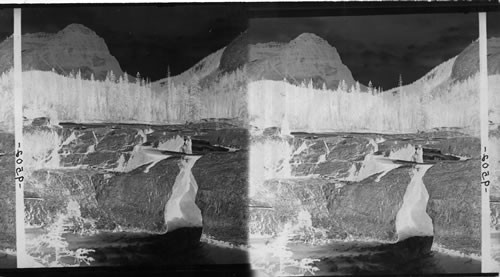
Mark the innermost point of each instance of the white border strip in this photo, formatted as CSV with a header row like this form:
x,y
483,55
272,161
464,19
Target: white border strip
x,y
485,188
18,129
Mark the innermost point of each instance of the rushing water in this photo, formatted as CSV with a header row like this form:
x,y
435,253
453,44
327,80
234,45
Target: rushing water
x,y
278,157
178,248
329,258
181,209
412,218
374,258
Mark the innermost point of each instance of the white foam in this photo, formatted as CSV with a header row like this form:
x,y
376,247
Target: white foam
x,y
181,209
269,159
173,144
372,164
454,253
404,153
219,243
412,219
141,155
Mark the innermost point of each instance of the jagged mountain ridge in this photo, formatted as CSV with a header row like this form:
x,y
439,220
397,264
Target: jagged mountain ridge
x,y
74,48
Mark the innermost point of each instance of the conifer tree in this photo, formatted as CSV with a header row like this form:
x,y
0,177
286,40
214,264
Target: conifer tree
x,y
138,78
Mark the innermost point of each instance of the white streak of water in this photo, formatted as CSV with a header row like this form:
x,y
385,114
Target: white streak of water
x,y
412,219
181,209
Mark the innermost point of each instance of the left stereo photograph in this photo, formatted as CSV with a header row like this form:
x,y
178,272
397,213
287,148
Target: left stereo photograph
x,y
129,169
7,185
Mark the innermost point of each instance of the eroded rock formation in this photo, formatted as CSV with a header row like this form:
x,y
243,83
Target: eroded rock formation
x,y
74,48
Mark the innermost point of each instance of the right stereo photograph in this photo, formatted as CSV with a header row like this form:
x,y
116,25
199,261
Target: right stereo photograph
x,y
365,144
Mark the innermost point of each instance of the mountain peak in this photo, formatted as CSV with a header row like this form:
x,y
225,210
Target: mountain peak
x,y
309,37
77,28
74,48
307,57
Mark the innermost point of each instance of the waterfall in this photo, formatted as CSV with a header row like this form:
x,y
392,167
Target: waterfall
x,y
181,210
412,219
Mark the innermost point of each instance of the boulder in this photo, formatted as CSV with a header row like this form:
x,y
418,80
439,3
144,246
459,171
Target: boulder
x,y
368,209
48,194
223,195
361,209
455,205
137,199
329,156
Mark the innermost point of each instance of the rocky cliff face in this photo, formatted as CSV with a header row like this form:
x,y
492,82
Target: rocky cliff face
x,y
335,182
339,182
307,57
101,168
74,48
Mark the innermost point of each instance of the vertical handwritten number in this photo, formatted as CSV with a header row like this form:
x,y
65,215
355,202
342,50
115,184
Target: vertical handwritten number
x,y
19,166
485,173
484,158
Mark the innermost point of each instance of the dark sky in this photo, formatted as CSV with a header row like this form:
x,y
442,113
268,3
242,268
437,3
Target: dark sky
x,y
147,39
6,23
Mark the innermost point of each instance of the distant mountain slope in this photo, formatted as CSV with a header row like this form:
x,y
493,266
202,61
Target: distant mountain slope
x,y
467,62
456,69
200,70
74,48
437,77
